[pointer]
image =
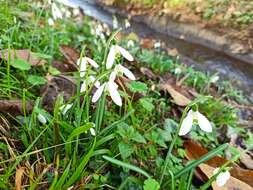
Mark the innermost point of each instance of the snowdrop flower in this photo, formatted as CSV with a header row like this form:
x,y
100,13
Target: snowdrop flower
x,y
82,62
194,117
178,71
222,178
42,119
110,87
88,82
214,79
157,45
76,12
119,70
50,22
130,43
127,24
92,131
56,12
115,23
114,50
65,108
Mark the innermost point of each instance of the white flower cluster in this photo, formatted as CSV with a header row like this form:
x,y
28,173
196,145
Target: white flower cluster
x,y
110,85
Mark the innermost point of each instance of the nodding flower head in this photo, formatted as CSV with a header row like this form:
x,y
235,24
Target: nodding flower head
x,y
120,70
194,117
42,119
83,62
56,12
110,87
222,178
89,81
114,50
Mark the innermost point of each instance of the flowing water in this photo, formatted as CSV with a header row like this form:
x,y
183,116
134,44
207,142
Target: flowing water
x,y
239,73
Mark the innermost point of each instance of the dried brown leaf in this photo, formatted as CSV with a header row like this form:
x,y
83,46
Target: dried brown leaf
x,y
15,107
71,55
178,98
231,184
195,151
18,178
24,54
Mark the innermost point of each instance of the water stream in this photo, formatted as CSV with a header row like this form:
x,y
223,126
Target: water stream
x,y
239,73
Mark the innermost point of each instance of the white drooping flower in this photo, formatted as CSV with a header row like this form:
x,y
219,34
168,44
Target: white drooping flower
x,y
65,108
56,12
83,62
157,45
91,79
110,87
214,79
127,24
195,117
92,131
222,178
42,119
50,22
119,70
178,71
115,23
130,43
114,50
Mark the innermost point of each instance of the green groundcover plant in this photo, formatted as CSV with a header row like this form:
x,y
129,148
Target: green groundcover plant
x,y
102,137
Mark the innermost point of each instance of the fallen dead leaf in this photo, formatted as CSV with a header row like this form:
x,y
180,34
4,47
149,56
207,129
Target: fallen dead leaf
x,y
195,151
147,72
71,55
178,98
172,52
147,43
24,54
18,178
232,183
55,86
15,107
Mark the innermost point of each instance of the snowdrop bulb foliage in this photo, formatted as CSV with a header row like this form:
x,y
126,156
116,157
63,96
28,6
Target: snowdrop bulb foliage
x,y
222,178
110,87
42,119
200,119
120,69
114,50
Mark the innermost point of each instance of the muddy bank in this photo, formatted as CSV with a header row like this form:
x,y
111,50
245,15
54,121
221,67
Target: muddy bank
x,y
189,32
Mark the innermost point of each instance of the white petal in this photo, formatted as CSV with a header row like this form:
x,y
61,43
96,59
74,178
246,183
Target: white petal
x,y
66,108
124,53
83,87
127,72
110,58
114,93
42,119
112,76
186,124
204,123
93,79
50,22
98,93
222,178
92,132
92,62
